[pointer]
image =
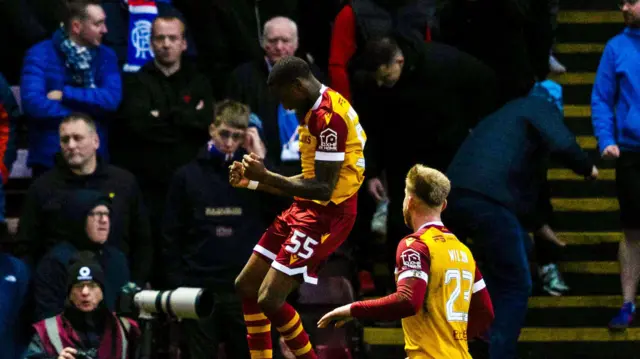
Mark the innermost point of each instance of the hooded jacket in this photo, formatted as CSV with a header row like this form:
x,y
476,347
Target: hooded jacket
x,y
50,277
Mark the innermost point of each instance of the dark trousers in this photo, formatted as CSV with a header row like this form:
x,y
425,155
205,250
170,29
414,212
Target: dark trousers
x,y
502,244
226,325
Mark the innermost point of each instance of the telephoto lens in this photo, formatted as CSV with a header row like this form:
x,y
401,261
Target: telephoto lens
x,y
184,303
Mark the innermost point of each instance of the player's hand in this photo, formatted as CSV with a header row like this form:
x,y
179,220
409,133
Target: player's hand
x,y
376,189
236,175
611,152
253,143
67,353
254,169
340,315
594,174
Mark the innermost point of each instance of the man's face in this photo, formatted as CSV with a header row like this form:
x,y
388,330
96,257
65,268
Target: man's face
x,y
290,96
631,12
227,139
98,224
168,41
91,29
86,296
280,41
78,142
388,75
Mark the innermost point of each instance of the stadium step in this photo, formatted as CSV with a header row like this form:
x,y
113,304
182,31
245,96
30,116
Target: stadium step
x,y
586,217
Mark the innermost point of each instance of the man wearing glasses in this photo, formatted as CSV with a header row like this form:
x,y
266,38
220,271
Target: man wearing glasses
x,y
615,112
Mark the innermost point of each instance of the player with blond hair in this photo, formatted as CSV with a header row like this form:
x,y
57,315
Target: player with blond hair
x,y
441,296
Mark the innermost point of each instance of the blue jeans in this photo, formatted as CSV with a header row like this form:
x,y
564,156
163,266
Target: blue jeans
x,y
501,244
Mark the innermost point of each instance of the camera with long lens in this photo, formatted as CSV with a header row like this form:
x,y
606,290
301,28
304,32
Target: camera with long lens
x,y
182,303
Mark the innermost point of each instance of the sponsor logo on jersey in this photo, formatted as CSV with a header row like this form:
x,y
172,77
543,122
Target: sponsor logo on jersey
x,y
411,259
328,140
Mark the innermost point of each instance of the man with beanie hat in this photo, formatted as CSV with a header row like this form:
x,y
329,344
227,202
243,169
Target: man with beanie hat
x,y
85,218
86,328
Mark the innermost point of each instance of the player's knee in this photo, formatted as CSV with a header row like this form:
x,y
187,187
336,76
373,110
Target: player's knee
x,y
245,288
269,300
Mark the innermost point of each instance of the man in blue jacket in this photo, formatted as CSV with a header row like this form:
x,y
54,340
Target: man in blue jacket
x,y
495,178
71,72
615,111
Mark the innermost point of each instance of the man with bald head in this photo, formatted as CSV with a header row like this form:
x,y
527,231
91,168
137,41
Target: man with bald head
x,y
248,84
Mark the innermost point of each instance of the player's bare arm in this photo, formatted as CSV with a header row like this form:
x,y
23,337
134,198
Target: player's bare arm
x,y
318,188
238,180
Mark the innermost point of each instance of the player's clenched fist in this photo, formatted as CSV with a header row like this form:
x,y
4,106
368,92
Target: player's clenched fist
x,y
236,175
254,168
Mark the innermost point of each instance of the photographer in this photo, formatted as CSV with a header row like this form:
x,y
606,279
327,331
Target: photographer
x,y
209,230
86,329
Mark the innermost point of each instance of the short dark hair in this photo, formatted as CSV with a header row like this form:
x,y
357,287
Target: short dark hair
x,y
232,113
379,51
79,116
169,18
77,9
287,70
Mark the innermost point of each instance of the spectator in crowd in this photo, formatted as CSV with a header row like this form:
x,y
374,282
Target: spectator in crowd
x,y
14,284
85,216
229,33
359,21
70,72
616,123
208,231
495,178
438,90
134,18
79,167
165,113
86,328
9,113
248,84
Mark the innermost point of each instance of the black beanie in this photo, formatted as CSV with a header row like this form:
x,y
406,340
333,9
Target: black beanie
x,y
84,267
73,216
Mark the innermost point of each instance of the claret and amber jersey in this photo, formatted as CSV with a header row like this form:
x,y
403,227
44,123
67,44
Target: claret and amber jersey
x,y
435,255
332,132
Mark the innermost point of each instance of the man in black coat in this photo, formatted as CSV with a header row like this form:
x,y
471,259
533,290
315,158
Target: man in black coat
x,y
79,167
417,103
495,178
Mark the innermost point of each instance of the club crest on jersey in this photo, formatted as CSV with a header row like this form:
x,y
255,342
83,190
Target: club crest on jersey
x,y
328,140
411,259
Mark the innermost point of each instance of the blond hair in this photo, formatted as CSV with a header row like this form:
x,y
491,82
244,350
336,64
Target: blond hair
x,y
429,185
231,113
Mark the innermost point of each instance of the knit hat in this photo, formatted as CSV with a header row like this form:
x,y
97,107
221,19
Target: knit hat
x,y
84,267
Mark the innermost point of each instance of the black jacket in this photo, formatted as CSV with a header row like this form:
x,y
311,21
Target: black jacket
x,y
505,157
209,227
442,93
130,232
152,148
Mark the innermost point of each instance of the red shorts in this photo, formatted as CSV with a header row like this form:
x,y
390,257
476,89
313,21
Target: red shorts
x,y
302,237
